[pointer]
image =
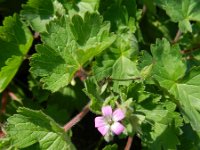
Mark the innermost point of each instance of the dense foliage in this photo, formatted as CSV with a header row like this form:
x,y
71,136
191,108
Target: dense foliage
x,y
62,57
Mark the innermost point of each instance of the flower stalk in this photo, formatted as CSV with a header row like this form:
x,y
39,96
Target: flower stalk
x,y
77,118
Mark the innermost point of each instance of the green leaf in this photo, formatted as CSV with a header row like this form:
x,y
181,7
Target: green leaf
x,y
164,124
187,92
137,91
190,40
156,111
189,139
37,91
164,137
15,41
68,45
168,66
118,12
5,143
185,25
29,127
110,147
39,13
92,90
56,112
169,70
182,11
67,100
118,63
82,7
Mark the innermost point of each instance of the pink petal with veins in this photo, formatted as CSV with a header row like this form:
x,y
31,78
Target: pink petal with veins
x,y
106,111
99,122
118,115
104,129
117,128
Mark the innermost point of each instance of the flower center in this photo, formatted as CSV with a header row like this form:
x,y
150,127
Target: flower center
x,y
109,120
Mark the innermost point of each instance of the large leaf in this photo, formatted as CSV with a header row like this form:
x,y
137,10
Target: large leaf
x,y
118,63
68,45
39,13
189,139
165,124
29,127
168,66
182,11
168,71
187,91
15,41
164,137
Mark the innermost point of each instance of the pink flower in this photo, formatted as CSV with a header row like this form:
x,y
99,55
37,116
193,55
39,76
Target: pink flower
x,y
109,123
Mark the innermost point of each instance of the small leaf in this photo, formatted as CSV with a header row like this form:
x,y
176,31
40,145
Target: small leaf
x,y
82,7
92,90
39,13
182,11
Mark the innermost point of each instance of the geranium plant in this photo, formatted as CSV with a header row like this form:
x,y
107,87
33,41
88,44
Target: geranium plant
x,y
100,74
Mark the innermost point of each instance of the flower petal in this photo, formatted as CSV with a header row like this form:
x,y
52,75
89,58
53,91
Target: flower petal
x,y
118,115
104,129
106,111
117,128
99,122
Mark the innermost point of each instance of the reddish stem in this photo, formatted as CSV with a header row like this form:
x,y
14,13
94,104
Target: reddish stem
x,y
4,101
186,51
81,74
77,118
2,134
129,143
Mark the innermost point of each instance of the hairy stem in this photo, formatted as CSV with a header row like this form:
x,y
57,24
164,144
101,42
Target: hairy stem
x,y
129,143
77,118
177,37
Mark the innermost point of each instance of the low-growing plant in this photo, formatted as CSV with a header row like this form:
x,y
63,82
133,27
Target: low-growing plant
x,y
100,74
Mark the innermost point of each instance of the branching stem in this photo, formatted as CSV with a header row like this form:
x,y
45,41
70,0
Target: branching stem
x,y
77,118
